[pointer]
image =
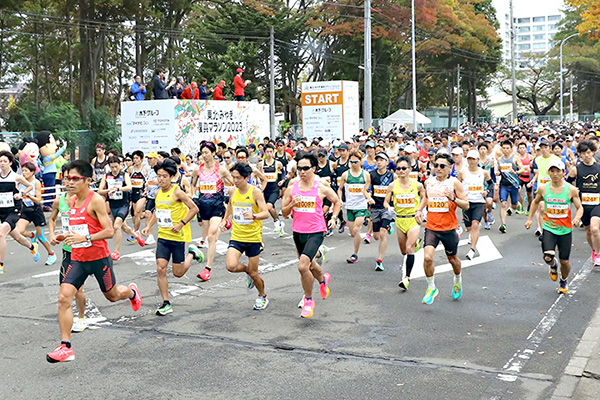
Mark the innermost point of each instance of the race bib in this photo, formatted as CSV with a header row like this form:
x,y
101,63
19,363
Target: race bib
x,y
64,220
379,190
7,200
82,230
327,179
438,204
414,175
405,200
112,183
163,218
544,180
475,189
505,167
557,210
590,199
339,180
28,202
238,215
355,188
271,176
307,204
208,187
137,183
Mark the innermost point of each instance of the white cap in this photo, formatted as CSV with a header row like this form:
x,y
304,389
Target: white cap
x,y
557,164
443,150
457,150
324,143
410,149
473,154
336,142
428,138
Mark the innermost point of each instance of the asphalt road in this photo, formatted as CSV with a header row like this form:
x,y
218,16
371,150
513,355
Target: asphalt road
x,y
509,337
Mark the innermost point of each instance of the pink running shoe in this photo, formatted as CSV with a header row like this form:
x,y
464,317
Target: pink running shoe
x,y
140,239
324,287
308,308
115,256
61,354
204,275
136,302
595,258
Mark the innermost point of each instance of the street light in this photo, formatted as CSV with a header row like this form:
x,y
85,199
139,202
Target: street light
x,y
561,72
414,69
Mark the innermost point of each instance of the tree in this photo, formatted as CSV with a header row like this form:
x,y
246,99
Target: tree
x,y
589,11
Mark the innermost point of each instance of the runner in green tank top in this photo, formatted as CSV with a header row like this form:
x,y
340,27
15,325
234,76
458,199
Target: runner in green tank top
x,y
60,206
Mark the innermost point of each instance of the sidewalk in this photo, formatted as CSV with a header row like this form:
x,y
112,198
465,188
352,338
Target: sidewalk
x,y
581,378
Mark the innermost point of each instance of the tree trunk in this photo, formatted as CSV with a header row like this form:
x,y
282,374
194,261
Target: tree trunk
x,y
120,75
70,59
105,73
46,68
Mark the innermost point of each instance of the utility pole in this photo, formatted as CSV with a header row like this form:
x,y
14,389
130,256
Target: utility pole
x,y
272,85
512,63
561,72
571,102
414,69
367,101
458,98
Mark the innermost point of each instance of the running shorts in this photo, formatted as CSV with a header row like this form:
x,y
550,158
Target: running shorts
x,y
405,223
381,218
251,249
474,213
272,196
66,260
449,239
34,214
136,194
512,191
210,209
10,218
167,249
120,212
308,243
353,214
551,241
588,213
78,271
150,204
522,183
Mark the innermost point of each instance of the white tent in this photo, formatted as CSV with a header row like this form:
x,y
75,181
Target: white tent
x,y
403,118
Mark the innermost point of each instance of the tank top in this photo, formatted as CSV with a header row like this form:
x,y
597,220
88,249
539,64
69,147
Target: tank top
x,y
379,187
245,230
588,185
99,168
508,178
308,213
542,167
168,214
441,212
355,199
210,185
414,171
270,172
325,172
557,218
137,180
406,202
526,161
118,198
8,188
339,171
63,211
27,202
282,159
368,167
82,223
473,185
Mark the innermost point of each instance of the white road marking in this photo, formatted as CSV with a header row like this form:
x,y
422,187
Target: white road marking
x,y
45,274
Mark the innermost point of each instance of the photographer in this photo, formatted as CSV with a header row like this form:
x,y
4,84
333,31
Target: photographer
x,y
137,90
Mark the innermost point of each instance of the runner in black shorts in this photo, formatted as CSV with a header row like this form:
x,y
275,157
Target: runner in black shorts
x,y
272,170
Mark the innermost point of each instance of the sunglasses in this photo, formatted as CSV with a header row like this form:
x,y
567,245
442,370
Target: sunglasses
x,y
440,166
128,159
73,178
401,168
322,155
354,161
241,157
227,158
306,168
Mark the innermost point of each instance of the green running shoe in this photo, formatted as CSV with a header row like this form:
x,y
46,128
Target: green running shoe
x,y
418,245
249,282
164,309
196,252
391,228
457,291
430,295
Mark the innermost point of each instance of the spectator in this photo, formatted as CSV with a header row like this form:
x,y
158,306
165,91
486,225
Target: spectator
x,y
218,92
191,92
239,85
161,87
137,90
175,92
204,92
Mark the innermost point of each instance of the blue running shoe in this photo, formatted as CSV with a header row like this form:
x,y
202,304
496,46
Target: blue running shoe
x,y
457,291
35,252
430,295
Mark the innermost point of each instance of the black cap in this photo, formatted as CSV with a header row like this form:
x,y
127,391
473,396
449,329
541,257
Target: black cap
x,y
383,155
544,143
343,146
321,152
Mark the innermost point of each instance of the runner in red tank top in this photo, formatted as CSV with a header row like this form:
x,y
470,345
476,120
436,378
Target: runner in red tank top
x,y
89,227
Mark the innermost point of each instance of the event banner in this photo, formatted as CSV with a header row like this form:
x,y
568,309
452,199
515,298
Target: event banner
x,y
189,122
330,109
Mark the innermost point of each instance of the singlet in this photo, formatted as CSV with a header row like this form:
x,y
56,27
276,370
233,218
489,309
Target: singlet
x,y
99,168
282,159
557,218
508,178
82,223
441,212
307,215
339,171
526,161
63,211
27,202
406,202
368,167
245,230
168,214
8,188
137,180
588,184
542,164
325,172
414,171
473,185
454,171
379,186
118,198
353,189
270,172
210,186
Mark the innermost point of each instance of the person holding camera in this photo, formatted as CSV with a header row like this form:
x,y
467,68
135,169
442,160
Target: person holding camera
x,y
137,90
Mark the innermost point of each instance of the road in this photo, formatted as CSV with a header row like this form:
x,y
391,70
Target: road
x,y
509,337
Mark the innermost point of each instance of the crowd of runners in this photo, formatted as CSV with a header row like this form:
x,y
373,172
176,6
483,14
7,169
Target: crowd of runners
x,y
405,186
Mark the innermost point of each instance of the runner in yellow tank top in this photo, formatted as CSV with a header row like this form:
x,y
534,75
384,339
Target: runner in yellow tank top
x,y
174,209
248,208
406,194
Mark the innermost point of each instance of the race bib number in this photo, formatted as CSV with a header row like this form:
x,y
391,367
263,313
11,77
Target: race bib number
x,y
405,200
137,183
339,180
544,180
208,187
475,189
82,230
590,199
163,218
505,167
307,204
438,204
379,190
355,188
7,199
271,176
112,184
64,221
414,175
557,210
238,215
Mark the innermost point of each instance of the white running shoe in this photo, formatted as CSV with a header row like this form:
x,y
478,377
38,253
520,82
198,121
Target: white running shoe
x,y
471,254
79,325
277,226
281,232
459,230
150,239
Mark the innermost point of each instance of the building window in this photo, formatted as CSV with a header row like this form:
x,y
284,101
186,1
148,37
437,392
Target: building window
x,y
538,46
541,36
539,28
524,38
539,19
523,20
523,29
524,47
554,18
552,27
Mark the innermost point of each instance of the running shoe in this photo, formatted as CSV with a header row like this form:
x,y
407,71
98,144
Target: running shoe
x,y
249,282
140,239
324,287
366,222
281,231
378,265
367,239
1,269
470,254
391,228
538,232
61,354
328,233
323,250
554,272
490,217
35,252
136,302
562,287
131,239
459,230
527,212
342,227
457,291
502,228
150,239
595,258
404,283
418,245
79,325
308,308
261,303
353,259
115,256
196,252
509,211
51,259
519,208
487,225
33,237
204,275
164,309
430,295
301,303
277,226
203,243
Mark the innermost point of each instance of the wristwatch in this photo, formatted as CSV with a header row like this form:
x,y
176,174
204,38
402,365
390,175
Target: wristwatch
x,y
88,237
